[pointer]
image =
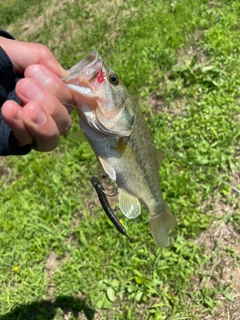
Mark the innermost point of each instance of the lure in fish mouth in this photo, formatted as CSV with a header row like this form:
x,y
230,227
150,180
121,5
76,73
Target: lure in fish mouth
x,y
121,140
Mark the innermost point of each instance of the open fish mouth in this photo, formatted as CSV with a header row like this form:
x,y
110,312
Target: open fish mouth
x,y
82,76
90,61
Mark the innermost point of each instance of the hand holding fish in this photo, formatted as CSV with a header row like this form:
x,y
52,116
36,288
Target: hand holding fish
x,y
42,117
120,138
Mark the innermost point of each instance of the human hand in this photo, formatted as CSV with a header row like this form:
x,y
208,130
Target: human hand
x,y
42,118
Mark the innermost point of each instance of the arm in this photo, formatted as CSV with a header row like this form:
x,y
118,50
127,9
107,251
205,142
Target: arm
x,y
8,142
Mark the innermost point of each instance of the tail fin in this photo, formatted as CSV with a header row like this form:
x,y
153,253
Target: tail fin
x,y
161,224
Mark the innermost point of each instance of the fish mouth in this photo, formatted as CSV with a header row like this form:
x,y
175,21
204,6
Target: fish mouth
x,y
91,59
92,96
83,76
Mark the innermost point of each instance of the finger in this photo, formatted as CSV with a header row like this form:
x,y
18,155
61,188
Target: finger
x,y
23,54
12,114
41,126
31,90
51,82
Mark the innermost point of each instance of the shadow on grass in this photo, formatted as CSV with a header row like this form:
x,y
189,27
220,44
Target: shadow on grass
x,y
47,309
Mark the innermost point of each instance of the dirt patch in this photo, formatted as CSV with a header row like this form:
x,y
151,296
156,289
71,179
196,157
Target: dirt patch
x,y
221,242
30,28
69,28
5,171
175,109
186,54
52,264
33,26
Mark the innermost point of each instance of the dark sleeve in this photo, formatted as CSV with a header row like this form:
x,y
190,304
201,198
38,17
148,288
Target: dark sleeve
x,y
8,80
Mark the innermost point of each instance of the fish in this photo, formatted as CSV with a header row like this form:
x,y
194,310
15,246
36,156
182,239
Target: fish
x,y
120,138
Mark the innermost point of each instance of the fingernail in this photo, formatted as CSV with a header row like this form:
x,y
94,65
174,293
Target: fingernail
x,y
63,73
31,91
38,73
17,113
39,117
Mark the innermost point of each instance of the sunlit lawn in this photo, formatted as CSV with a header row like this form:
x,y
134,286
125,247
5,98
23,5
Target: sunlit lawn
x,y
60,256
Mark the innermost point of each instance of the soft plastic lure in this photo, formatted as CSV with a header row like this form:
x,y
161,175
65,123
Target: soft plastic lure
x,y
106,207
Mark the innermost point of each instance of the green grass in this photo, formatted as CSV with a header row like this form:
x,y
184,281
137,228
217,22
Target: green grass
x,y
185,56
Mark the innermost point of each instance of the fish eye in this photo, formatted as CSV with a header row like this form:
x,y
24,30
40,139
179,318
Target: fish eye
x,y
113,78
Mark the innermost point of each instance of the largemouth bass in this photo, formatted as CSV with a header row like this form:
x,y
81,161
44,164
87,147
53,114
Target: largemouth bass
x,y
120,138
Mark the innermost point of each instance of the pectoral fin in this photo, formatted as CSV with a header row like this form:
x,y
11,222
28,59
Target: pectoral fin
x,y
110,171
129,205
